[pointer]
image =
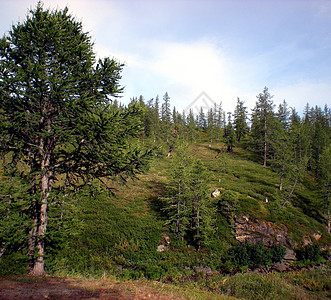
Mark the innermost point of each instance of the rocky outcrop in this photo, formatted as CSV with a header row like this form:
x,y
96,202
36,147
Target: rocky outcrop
x,y
215,193
165,243
261,231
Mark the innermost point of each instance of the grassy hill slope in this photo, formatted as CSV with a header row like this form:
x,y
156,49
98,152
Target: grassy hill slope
x,y
119,234
94,233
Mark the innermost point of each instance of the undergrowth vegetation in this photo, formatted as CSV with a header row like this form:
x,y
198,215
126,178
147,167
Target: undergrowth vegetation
x,y
99,233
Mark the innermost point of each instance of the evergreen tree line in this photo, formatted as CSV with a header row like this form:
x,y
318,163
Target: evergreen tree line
x,y
273,134
62,130
280,138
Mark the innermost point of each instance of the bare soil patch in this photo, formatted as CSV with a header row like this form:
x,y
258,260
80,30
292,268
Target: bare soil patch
x,y
75,288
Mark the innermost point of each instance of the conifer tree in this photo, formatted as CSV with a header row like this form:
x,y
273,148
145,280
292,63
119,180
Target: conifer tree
x,y
229,134
299,147
325,181
57,120
156,119
283,114
191,126
202,213
187,205
281,142
220,121
202,119
211,124
240,120
262,124
166,116
176,200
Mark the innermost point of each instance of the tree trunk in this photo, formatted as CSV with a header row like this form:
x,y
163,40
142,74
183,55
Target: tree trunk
x,y
281,178
46,185
328,199
291,192
32,239
45,150
265,144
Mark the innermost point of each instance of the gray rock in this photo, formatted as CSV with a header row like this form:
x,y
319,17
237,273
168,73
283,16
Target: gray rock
x,y
215,193
316,236
279,267
160,248
205,270
306,241
290,255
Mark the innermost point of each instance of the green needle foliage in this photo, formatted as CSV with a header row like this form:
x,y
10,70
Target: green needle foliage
x,y
58,124
187,204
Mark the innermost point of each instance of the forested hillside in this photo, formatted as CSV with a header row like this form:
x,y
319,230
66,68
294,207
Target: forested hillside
x,y
90,186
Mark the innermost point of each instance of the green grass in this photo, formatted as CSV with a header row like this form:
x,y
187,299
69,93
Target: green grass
x,y
118,234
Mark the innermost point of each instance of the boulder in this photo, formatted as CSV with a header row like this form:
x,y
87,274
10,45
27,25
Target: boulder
x,y
279,267
289,255
200,269
166,239
164,244
160,248
215,193
260,231
316,236
306,241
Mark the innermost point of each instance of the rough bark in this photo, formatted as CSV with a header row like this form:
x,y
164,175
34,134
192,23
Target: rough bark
x,y
328,201
291,192
265,143
281,177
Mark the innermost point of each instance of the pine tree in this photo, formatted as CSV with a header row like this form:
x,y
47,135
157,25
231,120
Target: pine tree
x,y
156,119
57,120
240,117
211,124
283,114
191,126
299,148
166,117
220,121
202,214
202,119
189,213
281,142
262,124
321,135
229,134
176,200
325,181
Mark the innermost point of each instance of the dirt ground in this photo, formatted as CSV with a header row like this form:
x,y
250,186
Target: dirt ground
x,y
75,288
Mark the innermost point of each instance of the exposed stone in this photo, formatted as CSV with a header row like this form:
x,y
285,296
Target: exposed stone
x,y
166,239
316,236
279,267
242,220
205,270
215,193
306,241
160,248
289,255
260,231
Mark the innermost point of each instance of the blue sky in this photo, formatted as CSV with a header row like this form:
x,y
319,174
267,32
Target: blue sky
x,y
227,49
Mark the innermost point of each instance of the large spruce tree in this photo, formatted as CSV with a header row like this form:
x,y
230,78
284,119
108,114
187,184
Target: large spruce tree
x,y
240,120
187,201
57,121
263,118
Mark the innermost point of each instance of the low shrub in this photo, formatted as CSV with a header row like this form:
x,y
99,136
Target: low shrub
x,y
310,253
255,255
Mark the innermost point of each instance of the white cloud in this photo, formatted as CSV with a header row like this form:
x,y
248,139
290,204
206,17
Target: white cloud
x,y
184,63
185,70
303,92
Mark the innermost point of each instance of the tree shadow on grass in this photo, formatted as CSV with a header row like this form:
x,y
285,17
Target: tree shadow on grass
x,y
155,202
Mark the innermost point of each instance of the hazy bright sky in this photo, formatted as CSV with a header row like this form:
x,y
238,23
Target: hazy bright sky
x,y
227,49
